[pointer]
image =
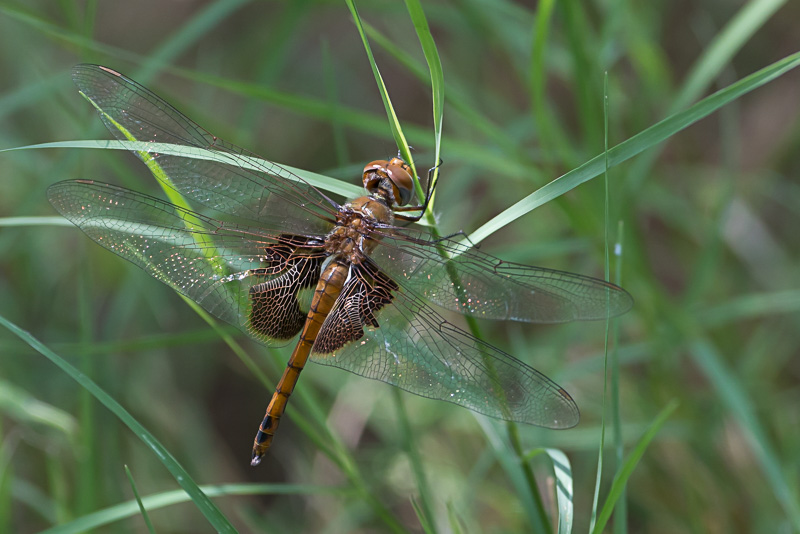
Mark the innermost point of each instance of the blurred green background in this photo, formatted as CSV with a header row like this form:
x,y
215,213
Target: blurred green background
x,y
710,253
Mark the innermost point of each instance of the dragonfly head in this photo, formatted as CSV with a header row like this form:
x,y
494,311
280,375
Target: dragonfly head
x,y
389,179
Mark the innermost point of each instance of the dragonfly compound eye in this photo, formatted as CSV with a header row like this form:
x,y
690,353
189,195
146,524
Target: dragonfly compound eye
x,y
400,174
396,172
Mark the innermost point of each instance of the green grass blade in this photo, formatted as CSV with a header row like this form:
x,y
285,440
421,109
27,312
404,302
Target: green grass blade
x,y
34,221
424,509
601,444
142,508
562,469
200,499
564,493
513,460
317,180
621,520
640,142
437,82
537,512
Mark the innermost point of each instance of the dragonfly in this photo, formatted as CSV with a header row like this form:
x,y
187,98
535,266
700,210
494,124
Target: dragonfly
x,y
357,284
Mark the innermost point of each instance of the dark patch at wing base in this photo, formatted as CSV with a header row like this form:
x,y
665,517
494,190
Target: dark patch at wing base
x,y
275,310
367,291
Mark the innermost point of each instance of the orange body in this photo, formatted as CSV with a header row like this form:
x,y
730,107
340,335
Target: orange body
x,y
349,242
325,295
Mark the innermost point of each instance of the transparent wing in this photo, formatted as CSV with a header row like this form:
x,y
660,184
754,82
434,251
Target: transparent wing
x,y
409,345
270,197
491,288
242,275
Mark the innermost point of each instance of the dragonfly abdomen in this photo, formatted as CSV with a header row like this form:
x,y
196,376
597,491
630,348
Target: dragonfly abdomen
x,y
327,291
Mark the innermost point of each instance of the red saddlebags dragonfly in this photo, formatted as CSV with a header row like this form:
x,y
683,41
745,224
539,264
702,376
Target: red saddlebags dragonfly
x,y
276,257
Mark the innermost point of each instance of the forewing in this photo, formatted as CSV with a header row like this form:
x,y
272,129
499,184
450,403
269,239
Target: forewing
x,y
477,284
270,197
224,267
409,345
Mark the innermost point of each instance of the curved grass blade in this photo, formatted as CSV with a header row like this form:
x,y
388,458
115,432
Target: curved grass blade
x,y
422,517
564,492
437,83
34,221
319,181
638,143
537,513
200,499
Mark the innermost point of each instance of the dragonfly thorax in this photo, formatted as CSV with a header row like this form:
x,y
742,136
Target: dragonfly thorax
x,y
353,237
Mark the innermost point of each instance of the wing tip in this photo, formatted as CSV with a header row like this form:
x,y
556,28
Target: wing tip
x,y
572,415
